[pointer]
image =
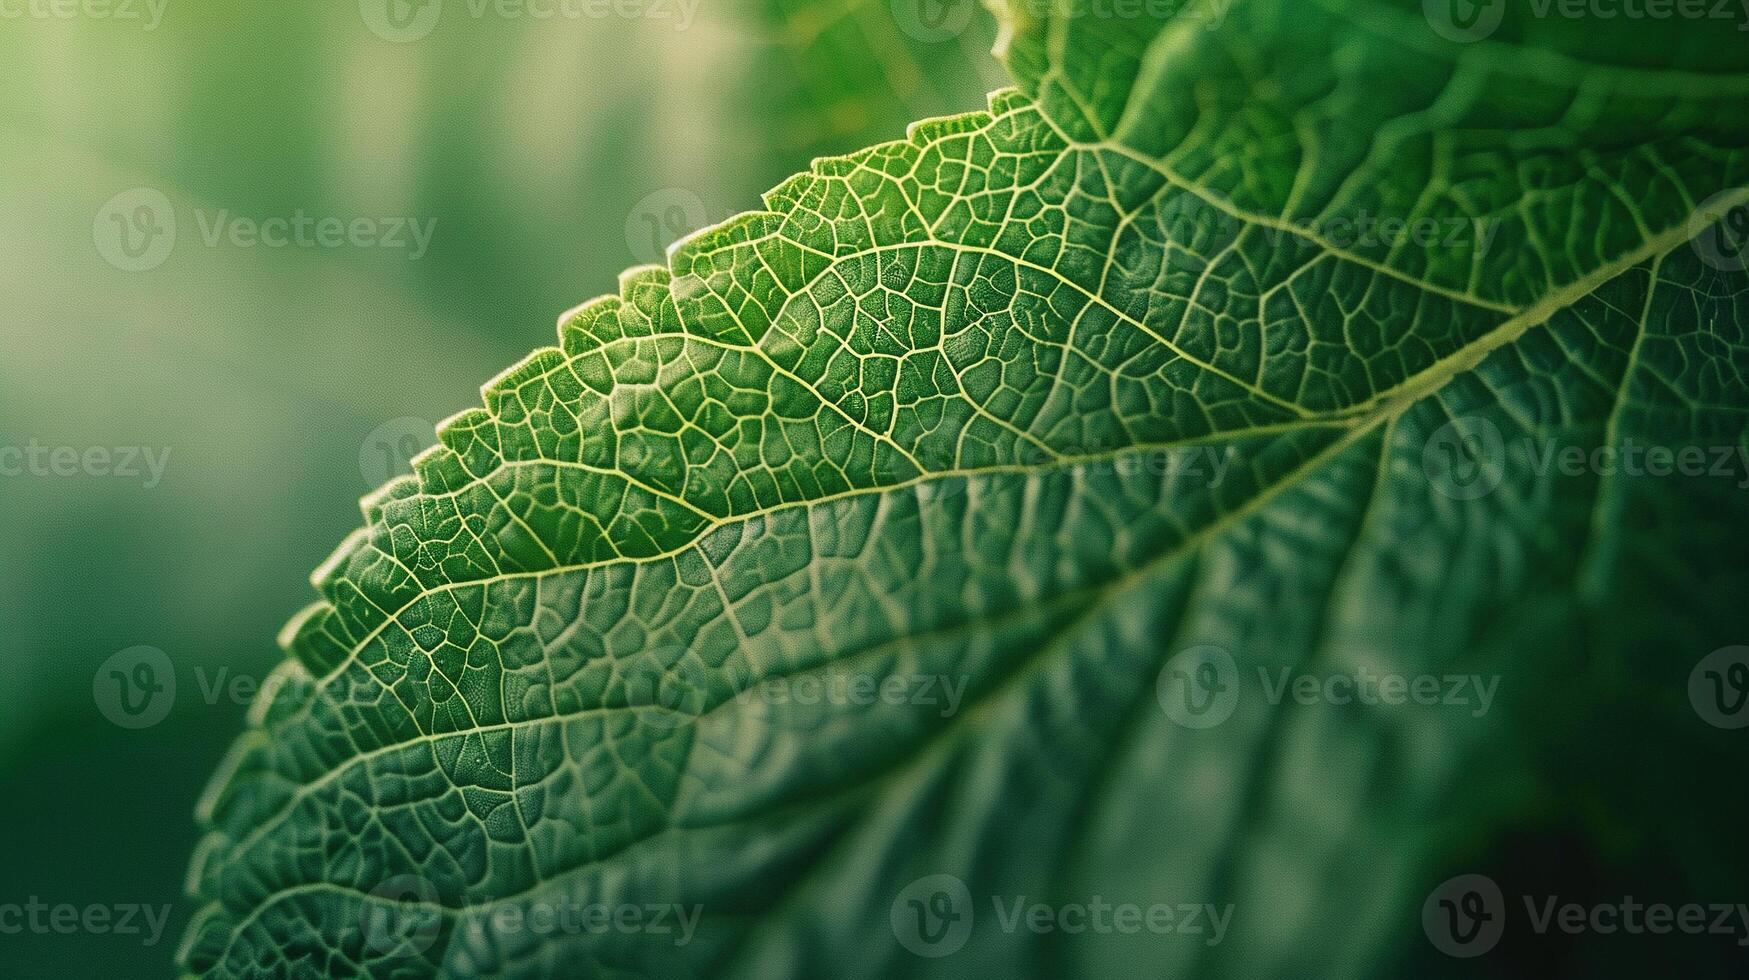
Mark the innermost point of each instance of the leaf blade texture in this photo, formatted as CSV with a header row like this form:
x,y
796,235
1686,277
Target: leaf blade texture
x,y
1030,402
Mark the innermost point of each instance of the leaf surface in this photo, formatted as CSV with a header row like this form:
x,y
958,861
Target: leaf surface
x,y
1029,404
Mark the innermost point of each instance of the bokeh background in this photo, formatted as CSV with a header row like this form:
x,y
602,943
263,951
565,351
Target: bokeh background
x,y
545,155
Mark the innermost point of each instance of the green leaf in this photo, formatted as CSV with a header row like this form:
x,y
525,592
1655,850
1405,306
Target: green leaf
x,y
1016,423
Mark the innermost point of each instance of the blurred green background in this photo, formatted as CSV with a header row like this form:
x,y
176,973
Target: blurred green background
x,y
549,152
